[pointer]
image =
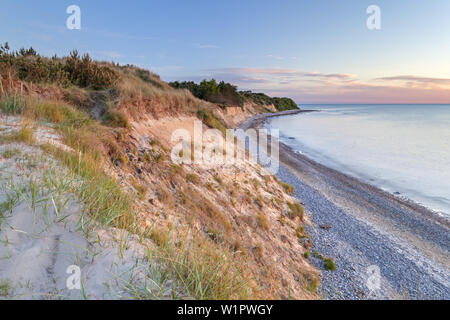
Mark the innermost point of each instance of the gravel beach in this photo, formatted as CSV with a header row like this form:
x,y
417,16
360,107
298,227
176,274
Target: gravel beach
x,y
366,230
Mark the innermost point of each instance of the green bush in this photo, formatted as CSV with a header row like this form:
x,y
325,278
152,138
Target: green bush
x,y
226,93
29,66
287,187
211,120
329,264
281,104
222,92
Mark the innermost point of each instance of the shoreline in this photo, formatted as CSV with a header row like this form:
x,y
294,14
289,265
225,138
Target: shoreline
x,y
368,227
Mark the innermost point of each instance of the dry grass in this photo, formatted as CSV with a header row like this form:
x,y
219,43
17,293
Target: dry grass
x,y
138,97
262,221
103,197
206,270
296,210
25,134
193,178
287,187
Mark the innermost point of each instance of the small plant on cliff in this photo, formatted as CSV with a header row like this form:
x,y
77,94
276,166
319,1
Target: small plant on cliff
x,y
262,221
287,187
296,210
116,118
329,264
192,178
4,288
210,119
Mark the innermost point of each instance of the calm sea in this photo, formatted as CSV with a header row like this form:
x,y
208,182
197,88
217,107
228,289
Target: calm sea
x,y
399,148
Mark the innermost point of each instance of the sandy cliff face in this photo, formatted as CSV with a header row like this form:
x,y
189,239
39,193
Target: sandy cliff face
x,y
234,116
238,206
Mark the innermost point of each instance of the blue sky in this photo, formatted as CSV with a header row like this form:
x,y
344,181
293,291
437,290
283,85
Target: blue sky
x,y
313,51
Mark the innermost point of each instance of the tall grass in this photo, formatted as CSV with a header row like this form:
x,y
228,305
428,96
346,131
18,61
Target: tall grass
x,y
56,112
102,196
12,104
204,270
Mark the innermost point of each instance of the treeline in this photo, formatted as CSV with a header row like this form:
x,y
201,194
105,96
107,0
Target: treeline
x,y
222,92
78,70
281,104
226,93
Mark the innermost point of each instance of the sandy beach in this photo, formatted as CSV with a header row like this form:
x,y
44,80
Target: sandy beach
x,y
365,229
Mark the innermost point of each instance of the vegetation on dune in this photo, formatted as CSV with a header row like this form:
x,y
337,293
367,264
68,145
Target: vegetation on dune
x,y
226,93
281,104
211,120
222,92
80,71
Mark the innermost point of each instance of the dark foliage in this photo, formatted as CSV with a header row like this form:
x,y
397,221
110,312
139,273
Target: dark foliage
x,y
222,92
29,66
281,104
225,93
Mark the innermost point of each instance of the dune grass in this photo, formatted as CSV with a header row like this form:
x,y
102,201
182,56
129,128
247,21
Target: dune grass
x,y
204,270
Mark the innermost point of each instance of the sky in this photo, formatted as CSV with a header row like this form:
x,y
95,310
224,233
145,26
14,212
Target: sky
x,y
312,51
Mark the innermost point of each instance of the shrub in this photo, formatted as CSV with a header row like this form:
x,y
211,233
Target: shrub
x,y
147,157
193,178
280,104
25,134
176,169
262,221
162,195
218,180
211,120
160,237
222,92
140,188
329,264
296,210
117,118
84,72
312,281
4,288
300,231
80,71
287,187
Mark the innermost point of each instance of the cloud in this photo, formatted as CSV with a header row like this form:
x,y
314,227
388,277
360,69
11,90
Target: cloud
x,y
342,76
285,72
416,79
